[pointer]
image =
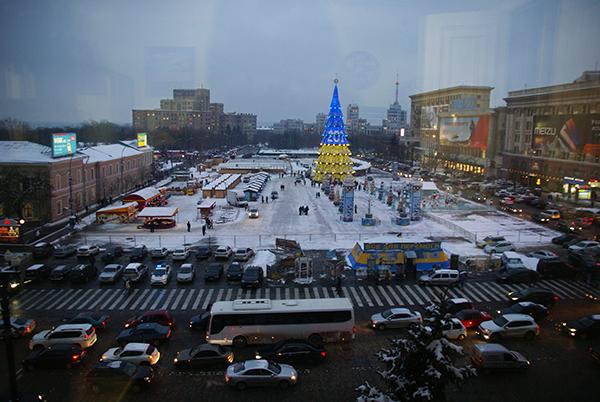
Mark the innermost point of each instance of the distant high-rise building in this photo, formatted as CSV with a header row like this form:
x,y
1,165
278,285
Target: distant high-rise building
x,y
352,117
288,125
396,117
321,119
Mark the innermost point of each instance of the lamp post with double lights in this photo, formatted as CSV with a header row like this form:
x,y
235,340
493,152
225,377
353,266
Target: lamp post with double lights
x,y
8,284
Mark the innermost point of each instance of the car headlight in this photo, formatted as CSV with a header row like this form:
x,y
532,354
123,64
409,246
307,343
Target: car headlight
x,y
175,360
258,357
293,377
147,379
572,330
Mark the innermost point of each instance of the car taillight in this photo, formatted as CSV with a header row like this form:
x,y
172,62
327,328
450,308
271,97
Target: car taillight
x,y
354,329
75,357
170,323
537,328
323,353
169,334
555,297
104,323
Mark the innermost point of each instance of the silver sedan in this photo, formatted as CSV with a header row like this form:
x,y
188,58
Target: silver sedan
x,y
260,373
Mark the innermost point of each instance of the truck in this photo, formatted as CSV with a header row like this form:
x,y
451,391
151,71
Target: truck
x,y
235,200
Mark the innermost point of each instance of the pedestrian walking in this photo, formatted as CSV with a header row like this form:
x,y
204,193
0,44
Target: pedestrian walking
x,y
38,234
306,210
203,230
338,285
462,276
355,209
267,199
300,210
189,226
128,286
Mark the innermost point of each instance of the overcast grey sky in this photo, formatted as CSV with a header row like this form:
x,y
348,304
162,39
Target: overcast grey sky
x,y
75,60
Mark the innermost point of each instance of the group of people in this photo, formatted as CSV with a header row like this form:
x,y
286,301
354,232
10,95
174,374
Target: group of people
x,y
303,210
264,199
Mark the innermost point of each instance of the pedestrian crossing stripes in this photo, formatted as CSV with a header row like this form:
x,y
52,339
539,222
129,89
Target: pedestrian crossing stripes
x,y
192,299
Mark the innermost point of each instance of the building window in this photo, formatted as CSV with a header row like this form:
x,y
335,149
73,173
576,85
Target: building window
x,y
79,176
59,208
57,182
517,124
27,211
110,170
528,125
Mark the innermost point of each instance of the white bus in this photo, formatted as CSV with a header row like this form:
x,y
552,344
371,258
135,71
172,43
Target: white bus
x,y
261,321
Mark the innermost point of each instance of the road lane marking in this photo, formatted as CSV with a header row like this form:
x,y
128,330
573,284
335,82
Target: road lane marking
x,y
137,301
198,298
165,305
366,297
356,298
208,299
187,299
375,296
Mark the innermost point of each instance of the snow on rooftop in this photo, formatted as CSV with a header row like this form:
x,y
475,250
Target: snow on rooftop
x,y
107,152
27,152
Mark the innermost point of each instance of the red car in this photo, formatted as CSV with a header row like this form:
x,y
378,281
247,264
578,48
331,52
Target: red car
x,y
162,317
472,318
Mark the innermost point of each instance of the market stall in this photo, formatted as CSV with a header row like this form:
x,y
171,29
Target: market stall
x,y
123,213
159,217
206,208
146,197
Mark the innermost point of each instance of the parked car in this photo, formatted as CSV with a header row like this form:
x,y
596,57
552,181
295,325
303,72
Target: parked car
x,y
563,238
243,254
499,247
147,333
511,260
199,322
120,376
162,252
161,274
542,254
569,243
180,254
138,253
537,311
136,353
584,245
396,318
274,195
203,252
201,356
82,273
489,240
223,252
509,326
213,271
88,250
517,275
37,272
454,329
111,254
83,335
60,272
111,273
292,351
440,277
585,327
260,373
253,213
186,273
60,355
20,326
453,306
252,277
42,250
542,296
493,356
162,317
98,321
135,272
555,268
471,318
583,260
65,251
234,272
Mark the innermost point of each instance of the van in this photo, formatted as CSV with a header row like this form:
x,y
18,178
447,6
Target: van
x,y
441,277
135,271
493,356
511,260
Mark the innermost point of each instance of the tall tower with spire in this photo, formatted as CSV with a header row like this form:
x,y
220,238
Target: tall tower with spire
x,y
396,117
334,152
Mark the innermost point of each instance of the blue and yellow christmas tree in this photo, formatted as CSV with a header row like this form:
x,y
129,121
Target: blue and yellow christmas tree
x,y
334,152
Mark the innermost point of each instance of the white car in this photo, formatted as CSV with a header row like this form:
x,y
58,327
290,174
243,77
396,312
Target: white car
x,y
161,274
509,326
253,213
83,335
584,245
87,250
542,254
223,252
454,329
396,318
186,273
180,254
159,252
243,254
136,353
499,247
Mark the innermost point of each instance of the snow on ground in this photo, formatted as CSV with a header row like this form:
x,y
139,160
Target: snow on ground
x,y
321,229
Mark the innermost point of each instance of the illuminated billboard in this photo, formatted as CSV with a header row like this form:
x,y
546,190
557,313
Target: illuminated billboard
x,y
142,140
469,131
64,144
578,133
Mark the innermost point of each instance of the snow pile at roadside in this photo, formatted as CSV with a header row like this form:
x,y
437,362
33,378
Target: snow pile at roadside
x,y
262,258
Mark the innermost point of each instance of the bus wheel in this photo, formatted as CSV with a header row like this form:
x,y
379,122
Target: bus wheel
x,y
240,342
316,340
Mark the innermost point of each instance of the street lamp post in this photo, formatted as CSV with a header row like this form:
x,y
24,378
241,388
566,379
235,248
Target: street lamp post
x,y
122,151
70,186
5,285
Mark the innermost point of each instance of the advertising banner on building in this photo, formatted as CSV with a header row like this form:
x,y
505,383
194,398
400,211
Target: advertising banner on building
x,y
469,131
577,133
429,117
64,144
142,140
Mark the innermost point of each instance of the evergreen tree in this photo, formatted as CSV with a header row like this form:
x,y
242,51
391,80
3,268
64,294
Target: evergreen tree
x,y
419,365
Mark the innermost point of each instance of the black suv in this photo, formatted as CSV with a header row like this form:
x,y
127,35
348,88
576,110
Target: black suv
x,y
292,351
139,253
202,253
235,272
252,277
82,273
517,275
111,254
42,250
213,272
58,355
542,296
555,268
119,375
